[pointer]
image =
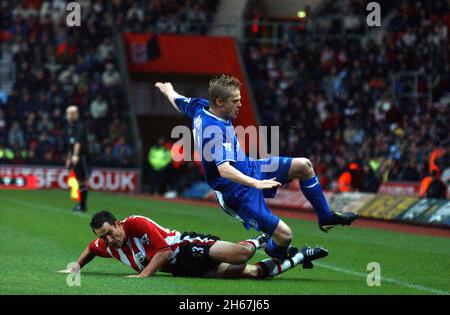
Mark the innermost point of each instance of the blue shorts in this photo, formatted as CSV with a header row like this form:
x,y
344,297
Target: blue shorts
x,y
250,208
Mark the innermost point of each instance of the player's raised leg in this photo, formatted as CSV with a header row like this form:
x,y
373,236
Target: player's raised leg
x,y
302,169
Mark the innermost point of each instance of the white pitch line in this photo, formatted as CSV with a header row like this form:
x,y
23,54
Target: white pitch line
x,y
42,207
389,280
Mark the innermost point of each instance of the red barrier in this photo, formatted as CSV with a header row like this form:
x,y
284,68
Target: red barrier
x,y
18,182
196,55
101,179
407,189
400,189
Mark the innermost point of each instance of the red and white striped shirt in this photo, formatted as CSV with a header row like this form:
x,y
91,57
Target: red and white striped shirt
x,y
144,238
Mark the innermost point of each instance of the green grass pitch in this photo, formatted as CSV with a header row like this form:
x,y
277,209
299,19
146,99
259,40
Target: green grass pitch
x,y
40,235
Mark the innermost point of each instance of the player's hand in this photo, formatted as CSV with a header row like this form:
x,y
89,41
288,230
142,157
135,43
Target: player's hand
x,y
135,276
75,159
68,161
266,183
165,87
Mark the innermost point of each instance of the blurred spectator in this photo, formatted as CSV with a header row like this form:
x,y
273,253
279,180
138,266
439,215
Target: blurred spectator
x,y
6,154
350,179
159,158
94,146
409,173
446,176
117,129
435,154
425,182
370,181
3,98
436,188
345,182
2,125
106,50
110,76
122,152
107,158
135,13
98,107
16,136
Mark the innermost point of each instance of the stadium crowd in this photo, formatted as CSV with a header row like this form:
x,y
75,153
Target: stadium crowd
x,y
332,99
57,66
164,16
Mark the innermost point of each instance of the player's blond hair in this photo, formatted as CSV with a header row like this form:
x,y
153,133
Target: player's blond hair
x,y
221,87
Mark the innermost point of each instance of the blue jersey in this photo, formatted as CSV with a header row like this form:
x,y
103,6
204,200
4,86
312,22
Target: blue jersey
x,y
216,142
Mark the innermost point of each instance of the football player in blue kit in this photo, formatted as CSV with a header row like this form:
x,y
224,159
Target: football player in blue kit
x,y
241,183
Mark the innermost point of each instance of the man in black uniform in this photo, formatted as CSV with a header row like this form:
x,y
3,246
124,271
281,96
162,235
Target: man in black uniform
x,y
78,155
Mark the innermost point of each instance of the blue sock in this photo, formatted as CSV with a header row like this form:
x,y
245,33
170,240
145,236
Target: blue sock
x,y
275,251
313,192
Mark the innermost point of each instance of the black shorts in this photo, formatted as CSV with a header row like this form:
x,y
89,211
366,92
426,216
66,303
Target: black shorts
x,y
193,258
83,168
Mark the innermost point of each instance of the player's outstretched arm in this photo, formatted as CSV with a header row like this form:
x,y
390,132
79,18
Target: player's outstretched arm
x,y
86,256
229,172
156,263
167,89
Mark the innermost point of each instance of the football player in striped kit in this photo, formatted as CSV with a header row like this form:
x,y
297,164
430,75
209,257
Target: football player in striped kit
x,y
145,246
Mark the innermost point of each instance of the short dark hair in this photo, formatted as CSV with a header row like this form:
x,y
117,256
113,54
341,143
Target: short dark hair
x,y
101,217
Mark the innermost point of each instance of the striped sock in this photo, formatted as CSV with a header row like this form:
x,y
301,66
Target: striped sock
x,y
258,242
271,268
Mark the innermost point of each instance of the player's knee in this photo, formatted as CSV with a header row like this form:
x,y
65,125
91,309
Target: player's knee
x,y
287,237
283,236
245,254
304,168
242,255
287,234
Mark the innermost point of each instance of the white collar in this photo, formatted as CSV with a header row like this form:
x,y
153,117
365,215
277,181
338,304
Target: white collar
x,y
216,117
